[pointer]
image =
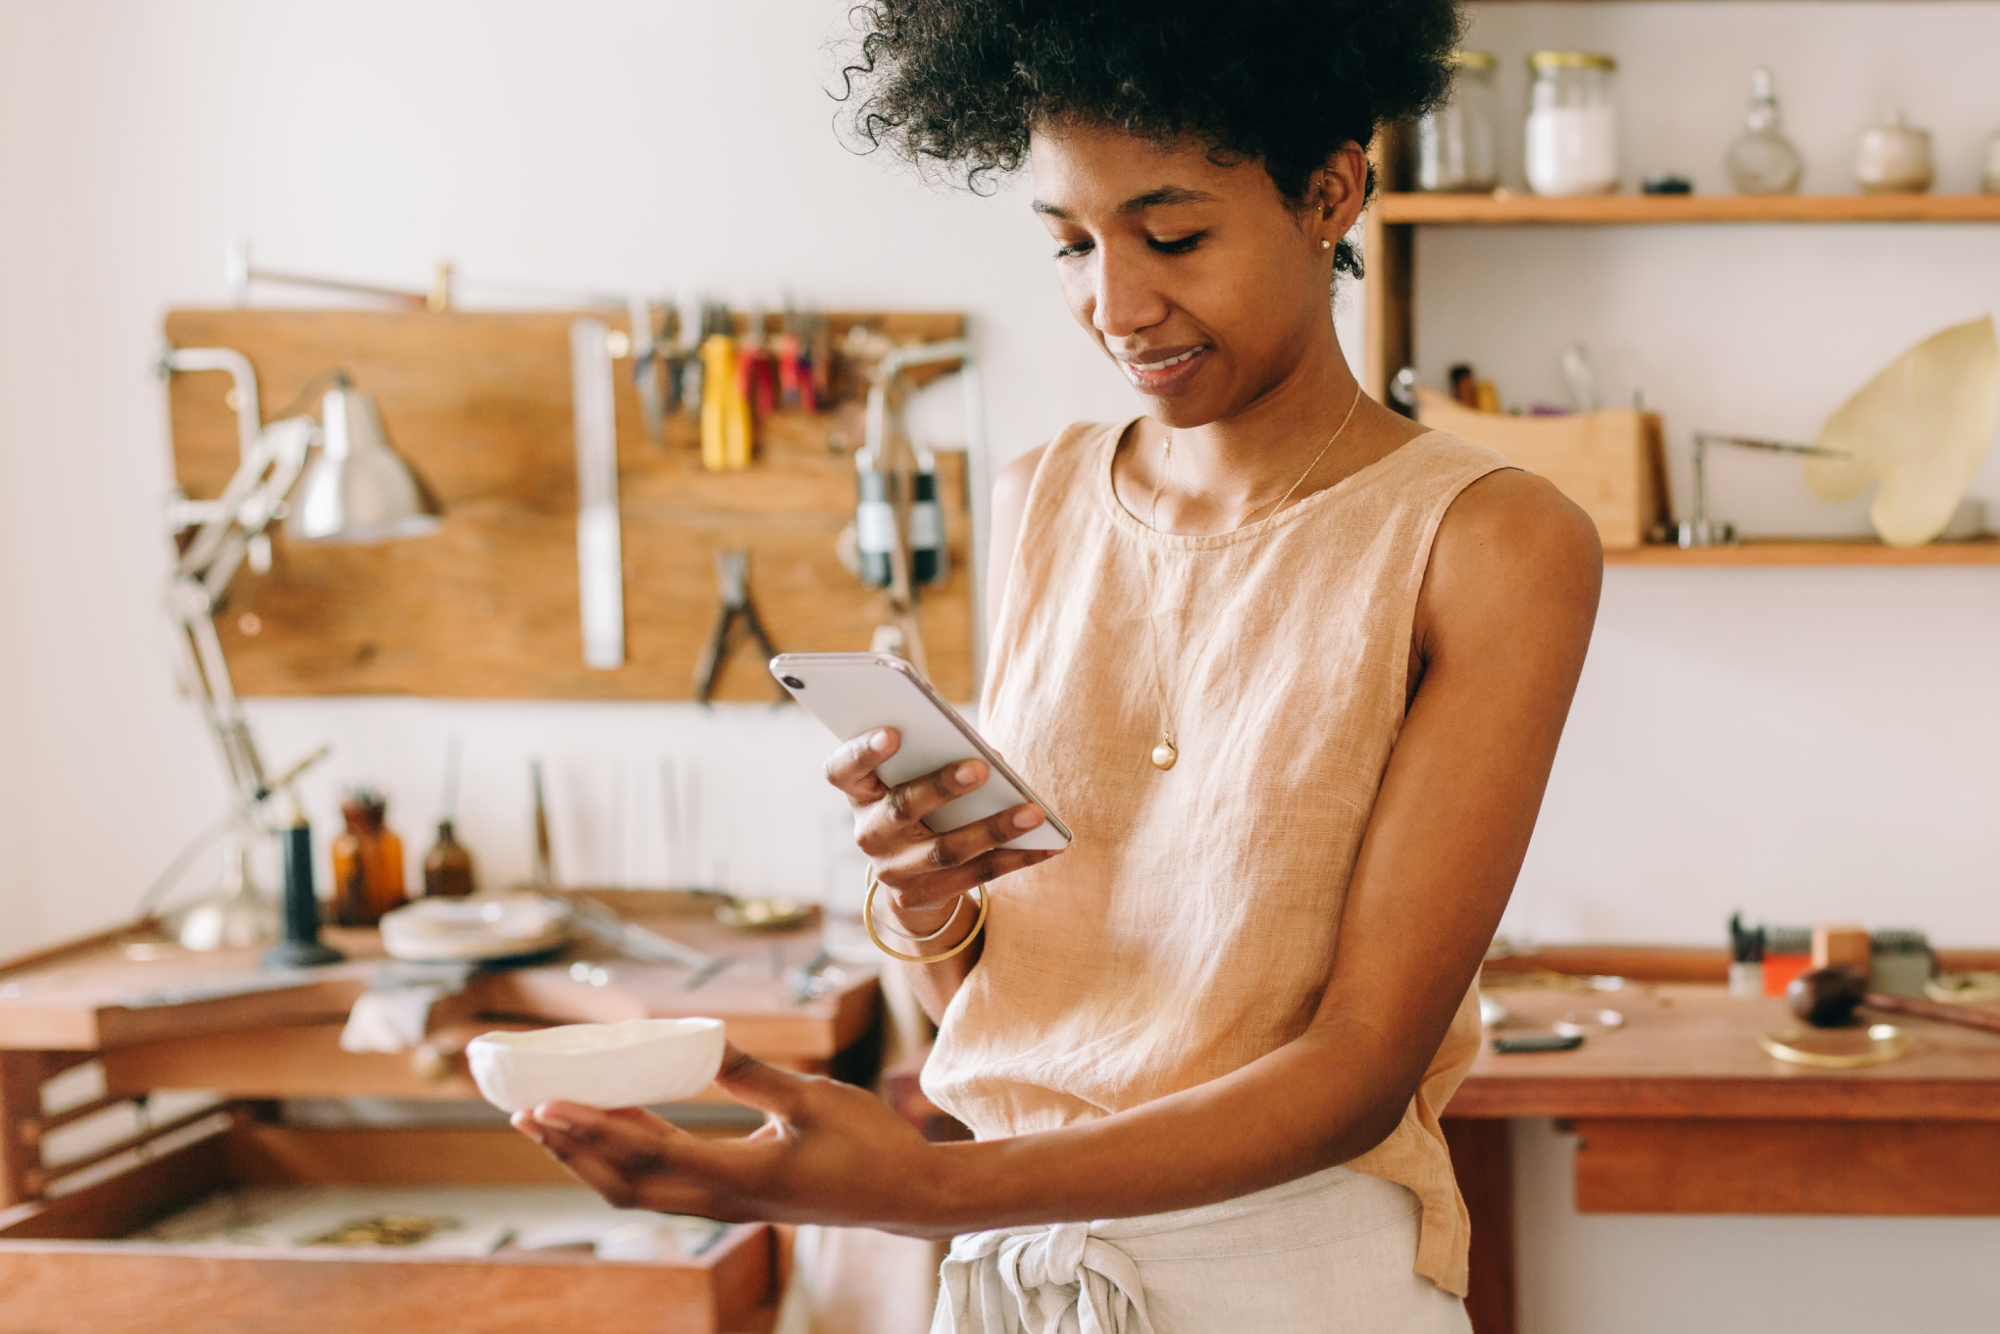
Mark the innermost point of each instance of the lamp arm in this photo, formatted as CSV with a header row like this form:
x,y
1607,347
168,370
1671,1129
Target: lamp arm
x,y
272,461
206,676
253,497
249,417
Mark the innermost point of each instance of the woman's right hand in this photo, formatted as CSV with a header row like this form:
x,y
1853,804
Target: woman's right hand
x,y
925,873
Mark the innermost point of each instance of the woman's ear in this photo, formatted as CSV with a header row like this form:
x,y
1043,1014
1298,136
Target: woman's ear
x,y
1342,186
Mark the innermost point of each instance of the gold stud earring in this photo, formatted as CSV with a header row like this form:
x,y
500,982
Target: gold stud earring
x,y
1325,244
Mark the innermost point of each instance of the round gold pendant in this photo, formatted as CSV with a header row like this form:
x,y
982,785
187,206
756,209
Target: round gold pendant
x,y
1164,755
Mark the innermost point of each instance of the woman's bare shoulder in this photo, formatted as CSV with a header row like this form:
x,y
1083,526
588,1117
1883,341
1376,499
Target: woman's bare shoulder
x,y
1010,488
1010,505
1514,548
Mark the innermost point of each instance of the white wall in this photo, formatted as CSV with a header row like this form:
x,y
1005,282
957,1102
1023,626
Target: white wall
x,y
1800,743
1797,743
659,147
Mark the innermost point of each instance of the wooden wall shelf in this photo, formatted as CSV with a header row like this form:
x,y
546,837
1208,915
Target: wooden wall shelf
x,y
1778,551
1506,208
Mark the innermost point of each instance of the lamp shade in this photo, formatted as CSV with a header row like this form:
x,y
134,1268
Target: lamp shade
x,y
360,489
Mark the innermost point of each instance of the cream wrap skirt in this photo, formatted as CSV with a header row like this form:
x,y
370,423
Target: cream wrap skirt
x,y
1326,1254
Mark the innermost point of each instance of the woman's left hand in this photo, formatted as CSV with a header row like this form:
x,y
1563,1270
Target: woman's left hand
x,y
827,1153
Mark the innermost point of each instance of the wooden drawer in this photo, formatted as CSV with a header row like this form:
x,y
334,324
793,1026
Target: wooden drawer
x,y
63,1267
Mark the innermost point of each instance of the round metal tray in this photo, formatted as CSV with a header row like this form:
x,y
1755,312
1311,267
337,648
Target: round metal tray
x,y
1838,1048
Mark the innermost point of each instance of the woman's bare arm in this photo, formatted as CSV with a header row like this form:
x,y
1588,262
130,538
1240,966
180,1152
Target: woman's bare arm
x,y
1503,624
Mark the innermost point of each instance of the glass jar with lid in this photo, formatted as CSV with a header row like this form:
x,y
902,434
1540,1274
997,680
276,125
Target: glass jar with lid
x,y
1456,142
1572,133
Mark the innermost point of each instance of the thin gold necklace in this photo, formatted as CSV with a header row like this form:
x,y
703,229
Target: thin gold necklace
x,y
1167,753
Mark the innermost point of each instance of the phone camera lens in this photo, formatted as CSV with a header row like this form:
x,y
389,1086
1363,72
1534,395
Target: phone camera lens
x,y
793,682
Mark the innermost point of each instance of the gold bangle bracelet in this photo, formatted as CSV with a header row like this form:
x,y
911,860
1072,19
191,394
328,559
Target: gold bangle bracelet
x,y
868,920
951,920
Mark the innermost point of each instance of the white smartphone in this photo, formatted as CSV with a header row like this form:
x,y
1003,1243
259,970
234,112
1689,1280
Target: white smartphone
x,y
854,693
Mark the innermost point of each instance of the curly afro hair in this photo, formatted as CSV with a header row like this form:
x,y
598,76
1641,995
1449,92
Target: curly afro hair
x,y
961,83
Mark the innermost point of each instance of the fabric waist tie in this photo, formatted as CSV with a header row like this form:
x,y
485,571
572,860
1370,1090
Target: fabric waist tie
x,y
1059,1279
1327,1252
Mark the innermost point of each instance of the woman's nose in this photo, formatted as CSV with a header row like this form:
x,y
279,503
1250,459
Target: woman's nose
x,y
1125,299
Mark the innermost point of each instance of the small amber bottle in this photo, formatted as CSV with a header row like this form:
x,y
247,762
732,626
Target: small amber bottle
x,y
448,866
367,863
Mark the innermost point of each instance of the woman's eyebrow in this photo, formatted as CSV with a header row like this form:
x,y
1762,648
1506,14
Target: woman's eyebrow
x,y
1165,195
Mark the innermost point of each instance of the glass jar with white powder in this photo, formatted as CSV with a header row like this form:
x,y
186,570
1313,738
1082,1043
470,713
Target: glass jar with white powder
x,y
1572,138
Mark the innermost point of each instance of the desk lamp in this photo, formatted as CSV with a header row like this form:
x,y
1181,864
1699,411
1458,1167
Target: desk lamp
x,y
358,490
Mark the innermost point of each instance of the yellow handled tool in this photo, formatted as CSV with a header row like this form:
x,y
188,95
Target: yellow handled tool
x,y
725,416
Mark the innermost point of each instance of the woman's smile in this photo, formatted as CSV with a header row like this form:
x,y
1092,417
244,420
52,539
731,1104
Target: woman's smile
x,y
1162,371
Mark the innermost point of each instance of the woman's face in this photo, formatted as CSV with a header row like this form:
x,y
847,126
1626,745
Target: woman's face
x,y
1199,280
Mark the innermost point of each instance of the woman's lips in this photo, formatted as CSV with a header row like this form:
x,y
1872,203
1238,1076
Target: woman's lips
x,y
1164,372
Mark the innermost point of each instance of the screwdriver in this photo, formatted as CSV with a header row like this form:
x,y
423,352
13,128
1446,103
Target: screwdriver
x,y
725,417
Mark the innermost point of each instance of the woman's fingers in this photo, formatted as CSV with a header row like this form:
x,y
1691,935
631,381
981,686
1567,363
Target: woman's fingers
x,y
629,1156
755,1084
891,822
851,767
961,845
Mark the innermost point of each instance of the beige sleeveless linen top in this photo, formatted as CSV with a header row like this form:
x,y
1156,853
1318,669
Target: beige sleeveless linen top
x,y
1190,927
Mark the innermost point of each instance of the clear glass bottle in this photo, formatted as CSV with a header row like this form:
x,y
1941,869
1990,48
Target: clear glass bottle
x,y
1572,135
1763,161
1456,143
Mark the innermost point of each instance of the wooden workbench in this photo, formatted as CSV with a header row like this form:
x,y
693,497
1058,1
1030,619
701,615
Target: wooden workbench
x,y
132,1003
1681,1111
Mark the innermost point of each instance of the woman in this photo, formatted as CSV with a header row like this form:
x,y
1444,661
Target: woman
x,y
1292,668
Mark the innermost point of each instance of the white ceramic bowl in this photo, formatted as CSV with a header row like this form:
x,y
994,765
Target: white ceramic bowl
x,y
630,1064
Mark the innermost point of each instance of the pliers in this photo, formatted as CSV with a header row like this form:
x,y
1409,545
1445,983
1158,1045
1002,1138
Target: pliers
x,y
732,575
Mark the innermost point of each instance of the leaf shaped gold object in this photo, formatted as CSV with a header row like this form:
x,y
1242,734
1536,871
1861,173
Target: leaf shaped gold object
x,y
1921,428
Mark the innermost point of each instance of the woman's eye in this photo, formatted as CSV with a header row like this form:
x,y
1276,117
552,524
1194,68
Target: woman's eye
x,y
1180,245
1071,251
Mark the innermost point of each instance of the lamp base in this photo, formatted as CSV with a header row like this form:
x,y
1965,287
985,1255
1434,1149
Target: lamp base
x,y
300,954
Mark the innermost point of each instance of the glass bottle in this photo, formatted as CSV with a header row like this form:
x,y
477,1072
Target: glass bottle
x,y
1455,143
1572,132
447,867
367,863
1763,161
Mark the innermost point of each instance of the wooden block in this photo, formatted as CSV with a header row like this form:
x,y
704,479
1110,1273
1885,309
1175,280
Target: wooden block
x,y
1482,1159
486,608
1610,463
1833,945
1788,1167
85,1288
21,1077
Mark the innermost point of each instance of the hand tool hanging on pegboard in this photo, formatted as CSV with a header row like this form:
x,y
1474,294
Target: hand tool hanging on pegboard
x,y
899,532
725,412
732,576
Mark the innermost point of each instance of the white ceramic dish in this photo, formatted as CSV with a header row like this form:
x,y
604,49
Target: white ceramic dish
x,y
481,927
631,1064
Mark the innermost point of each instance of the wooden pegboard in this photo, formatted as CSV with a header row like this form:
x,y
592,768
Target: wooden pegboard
x,y
487,607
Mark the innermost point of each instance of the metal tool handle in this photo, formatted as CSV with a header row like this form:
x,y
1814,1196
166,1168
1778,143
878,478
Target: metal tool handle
x,y
1965,1016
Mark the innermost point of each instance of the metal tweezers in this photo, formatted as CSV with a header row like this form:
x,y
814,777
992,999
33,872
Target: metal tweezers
x,y
732,575
636,942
